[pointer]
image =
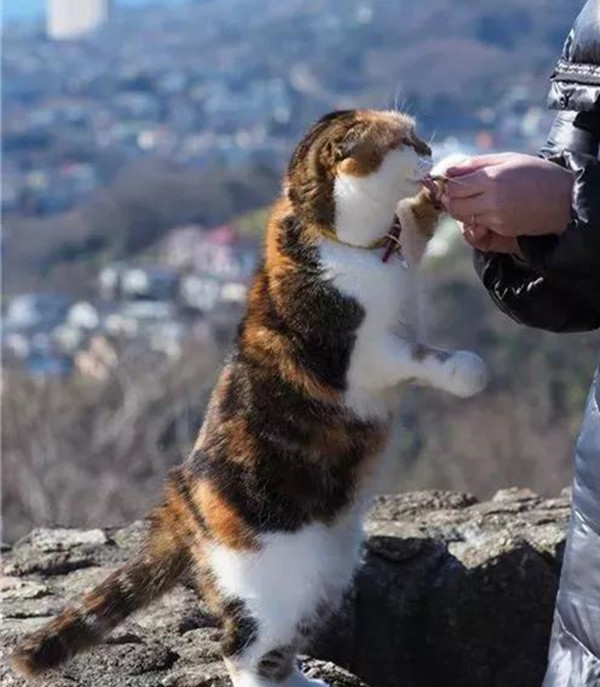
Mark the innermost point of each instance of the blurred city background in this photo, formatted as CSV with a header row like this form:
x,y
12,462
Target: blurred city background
x,y
142,143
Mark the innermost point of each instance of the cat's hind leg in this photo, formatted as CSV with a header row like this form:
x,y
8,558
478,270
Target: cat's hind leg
x,y
275,596
271,677
250,663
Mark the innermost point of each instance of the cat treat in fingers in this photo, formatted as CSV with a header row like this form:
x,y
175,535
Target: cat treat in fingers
x,y
265,515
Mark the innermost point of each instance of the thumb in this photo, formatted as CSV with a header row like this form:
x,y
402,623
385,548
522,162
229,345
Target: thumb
x,y
473,164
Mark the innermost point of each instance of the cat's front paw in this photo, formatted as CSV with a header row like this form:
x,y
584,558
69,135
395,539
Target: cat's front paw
x,y
466,374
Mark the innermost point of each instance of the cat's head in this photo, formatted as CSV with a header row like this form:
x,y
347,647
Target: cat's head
x,y
352,168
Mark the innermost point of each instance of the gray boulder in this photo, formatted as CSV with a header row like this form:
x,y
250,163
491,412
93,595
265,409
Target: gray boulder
x,y
451,592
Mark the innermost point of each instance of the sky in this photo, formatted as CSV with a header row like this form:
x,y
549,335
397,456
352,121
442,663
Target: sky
x,y
14,10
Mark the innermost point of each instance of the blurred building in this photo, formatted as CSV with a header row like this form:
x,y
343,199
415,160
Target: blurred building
x,y
71,19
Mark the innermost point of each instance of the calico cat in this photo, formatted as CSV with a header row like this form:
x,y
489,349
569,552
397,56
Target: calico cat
x,y
265,515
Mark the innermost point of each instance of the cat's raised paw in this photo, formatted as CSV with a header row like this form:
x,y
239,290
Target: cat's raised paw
x,y
466,374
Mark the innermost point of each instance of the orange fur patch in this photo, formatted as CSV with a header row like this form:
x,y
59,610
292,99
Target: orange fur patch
x,y
223,521
267,346
383,131
426,213
212,417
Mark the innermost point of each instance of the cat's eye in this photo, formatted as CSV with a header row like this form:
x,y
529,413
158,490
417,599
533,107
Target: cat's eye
x,y
406,140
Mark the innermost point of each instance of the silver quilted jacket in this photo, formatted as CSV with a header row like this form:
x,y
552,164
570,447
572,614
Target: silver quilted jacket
x,y
574,658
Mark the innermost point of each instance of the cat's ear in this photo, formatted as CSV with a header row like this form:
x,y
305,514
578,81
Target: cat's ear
x,y
344,150
347,146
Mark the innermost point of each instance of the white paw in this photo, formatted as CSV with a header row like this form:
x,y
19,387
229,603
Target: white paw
x,y
466,374
299,679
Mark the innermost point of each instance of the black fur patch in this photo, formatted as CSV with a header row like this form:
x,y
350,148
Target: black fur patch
x,y
179,479
318,320
51,653
285,485
240,628
313,134
284,488
291,243
277,664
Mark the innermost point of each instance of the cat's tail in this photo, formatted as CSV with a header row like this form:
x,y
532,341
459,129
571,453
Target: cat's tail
x,y
146,577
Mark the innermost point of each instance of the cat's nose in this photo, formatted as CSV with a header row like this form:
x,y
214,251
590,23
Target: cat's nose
x,y
421,148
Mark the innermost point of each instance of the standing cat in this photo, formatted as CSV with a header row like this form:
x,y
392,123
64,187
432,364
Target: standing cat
x,y
266,513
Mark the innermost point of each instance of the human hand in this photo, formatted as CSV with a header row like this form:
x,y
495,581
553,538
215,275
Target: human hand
x,y
506,195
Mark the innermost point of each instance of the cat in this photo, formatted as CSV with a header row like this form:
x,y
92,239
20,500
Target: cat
x,y
266,514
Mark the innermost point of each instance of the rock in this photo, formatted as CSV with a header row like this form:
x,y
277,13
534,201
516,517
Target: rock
x,y
172,643
515,494
61,550
12,588
61,539
451,591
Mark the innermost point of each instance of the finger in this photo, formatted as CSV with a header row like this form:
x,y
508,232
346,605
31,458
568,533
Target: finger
x,y
466,186
473,210
473,164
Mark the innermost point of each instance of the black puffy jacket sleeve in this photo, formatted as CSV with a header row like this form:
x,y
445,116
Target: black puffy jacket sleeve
x,y
556,285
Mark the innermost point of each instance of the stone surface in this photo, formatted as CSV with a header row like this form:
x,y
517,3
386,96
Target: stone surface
x,y
454,592
451,592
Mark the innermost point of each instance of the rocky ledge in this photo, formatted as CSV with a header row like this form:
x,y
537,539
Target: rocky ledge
x,y
451,592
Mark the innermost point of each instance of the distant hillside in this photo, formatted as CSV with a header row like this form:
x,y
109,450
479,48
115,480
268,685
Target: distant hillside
x,y
522,428
443,60
146,200
110,443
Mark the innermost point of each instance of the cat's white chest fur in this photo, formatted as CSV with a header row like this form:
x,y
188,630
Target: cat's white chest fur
x,y
386,292
362,274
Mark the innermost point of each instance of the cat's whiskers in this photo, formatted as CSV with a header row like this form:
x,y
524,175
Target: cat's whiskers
x,y
396,108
